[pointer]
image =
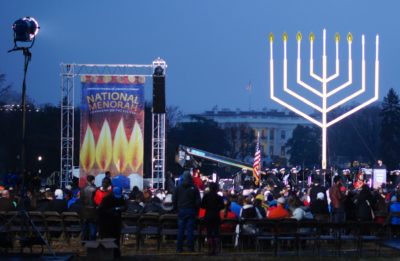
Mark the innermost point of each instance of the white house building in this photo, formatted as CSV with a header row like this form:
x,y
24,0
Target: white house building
x,y
275,128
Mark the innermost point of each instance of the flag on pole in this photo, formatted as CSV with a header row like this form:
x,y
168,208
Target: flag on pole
x,y
257,161
249,87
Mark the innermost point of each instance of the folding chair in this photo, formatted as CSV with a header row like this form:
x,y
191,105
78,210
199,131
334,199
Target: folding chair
x,y
307,232
39,221
227,231
130,226
55,225
149,227
371,232
6,237
349,232
248,231
168,227
328,234
266,233
72,224
286,233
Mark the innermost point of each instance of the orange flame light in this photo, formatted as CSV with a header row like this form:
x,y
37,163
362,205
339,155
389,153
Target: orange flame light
x,y
87,154
120,148
104,151
135,148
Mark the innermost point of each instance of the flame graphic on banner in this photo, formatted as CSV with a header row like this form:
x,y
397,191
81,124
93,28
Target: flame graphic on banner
x,y
120,147
87,154
104,151
135,148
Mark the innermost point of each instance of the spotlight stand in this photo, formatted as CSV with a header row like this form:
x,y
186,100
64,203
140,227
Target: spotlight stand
x,y
27,58
23,213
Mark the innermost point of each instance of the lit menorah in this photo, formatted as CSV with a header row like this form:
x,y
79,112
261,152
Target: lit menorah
x,y
323,92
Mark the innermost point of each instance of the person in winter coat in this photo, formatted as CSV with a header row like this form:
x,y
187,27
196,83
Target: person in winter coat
x,y
88,213
213,204
319,208
186,200
110,219
364,204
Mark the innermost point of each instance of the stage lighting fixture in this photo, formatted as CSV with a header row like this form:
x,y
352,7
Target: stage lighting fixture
x,y
158,71
25,29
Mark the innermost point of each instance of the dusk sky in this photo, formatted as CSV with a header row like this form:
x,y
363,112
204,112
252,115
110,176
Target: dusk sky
x,y
213,48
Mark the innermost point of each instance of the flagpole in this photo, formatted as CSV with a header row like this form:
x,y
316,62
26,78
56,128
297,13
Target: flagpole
x,y
257,161
260,164
249,88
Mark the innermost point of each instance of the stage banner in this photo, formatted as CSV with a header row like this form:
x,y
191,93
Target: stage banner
x,y
112,129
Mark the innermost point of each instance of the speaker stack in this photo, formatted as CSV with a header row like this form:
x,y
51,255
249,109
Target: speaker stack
x,y
158,92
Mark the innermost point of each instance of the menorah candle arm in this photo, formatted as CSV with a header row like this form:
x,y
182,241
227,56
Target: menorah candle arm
x,y
298,67
312,74
334,76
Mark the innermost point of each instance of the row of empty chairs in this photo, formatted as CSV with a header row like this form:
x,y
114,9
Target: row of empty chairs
x,y
49,224
276,235
284,234
268,235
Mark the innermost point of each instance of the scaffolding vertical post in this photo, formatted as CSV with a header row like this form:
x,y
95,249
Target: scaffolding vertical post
x,y
158,150
67,124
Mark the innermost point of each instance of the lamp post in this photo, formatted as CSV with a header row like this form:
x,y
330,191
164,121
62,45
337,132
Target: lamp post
x,y
39,159
25,31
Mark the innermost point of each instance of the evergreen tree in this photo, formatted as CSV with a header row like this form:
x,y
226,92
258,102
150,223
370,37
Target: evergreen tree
x,y
200,133
390,130
305,146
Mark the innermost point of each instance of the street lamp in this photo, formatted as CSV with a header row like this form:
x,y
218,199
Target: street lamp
x,y
25,31
39,159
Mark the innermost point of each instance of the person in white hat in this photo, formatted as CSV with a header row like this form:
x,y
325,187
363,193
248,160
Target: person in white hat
x,y
319,208
58,204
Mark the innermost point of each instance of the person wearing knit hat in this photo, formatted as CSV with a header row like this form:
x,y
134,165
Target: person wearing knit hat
x,y
260,197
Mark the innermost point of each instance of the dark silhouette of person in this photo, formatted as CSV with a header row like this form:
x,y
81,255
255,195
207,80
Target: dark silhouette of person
x,y
186,200
213,204
109,217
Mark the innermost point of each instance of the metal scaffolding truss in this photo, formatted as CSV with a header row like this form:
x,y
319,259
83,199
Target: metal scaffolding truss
x,y
69,72
67,124
158,151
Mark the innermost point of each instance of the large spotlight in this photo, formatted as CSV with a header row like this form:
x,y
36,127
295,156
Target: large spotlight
x,y
25,29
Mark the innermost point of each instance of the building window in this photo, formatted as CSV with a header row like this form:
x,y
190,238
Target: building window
x,y
263,133
283,135
271,134
271,150
283,151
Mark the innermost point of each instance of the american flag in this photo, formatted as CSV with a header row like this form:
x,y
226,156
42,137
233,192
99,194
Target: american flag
x,y
257,161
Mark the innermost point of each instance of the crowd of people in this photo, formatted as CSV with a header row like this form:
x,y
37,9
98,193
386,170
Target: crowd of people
x,y
191,198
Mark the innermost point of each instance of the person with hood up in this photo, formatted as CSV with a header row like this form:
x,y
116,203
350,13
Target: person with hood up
x,y
186,200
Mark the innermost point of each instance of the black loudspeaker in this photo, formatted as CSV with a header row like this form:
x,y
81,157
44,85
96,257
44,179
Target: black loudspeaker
x,y
158,94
